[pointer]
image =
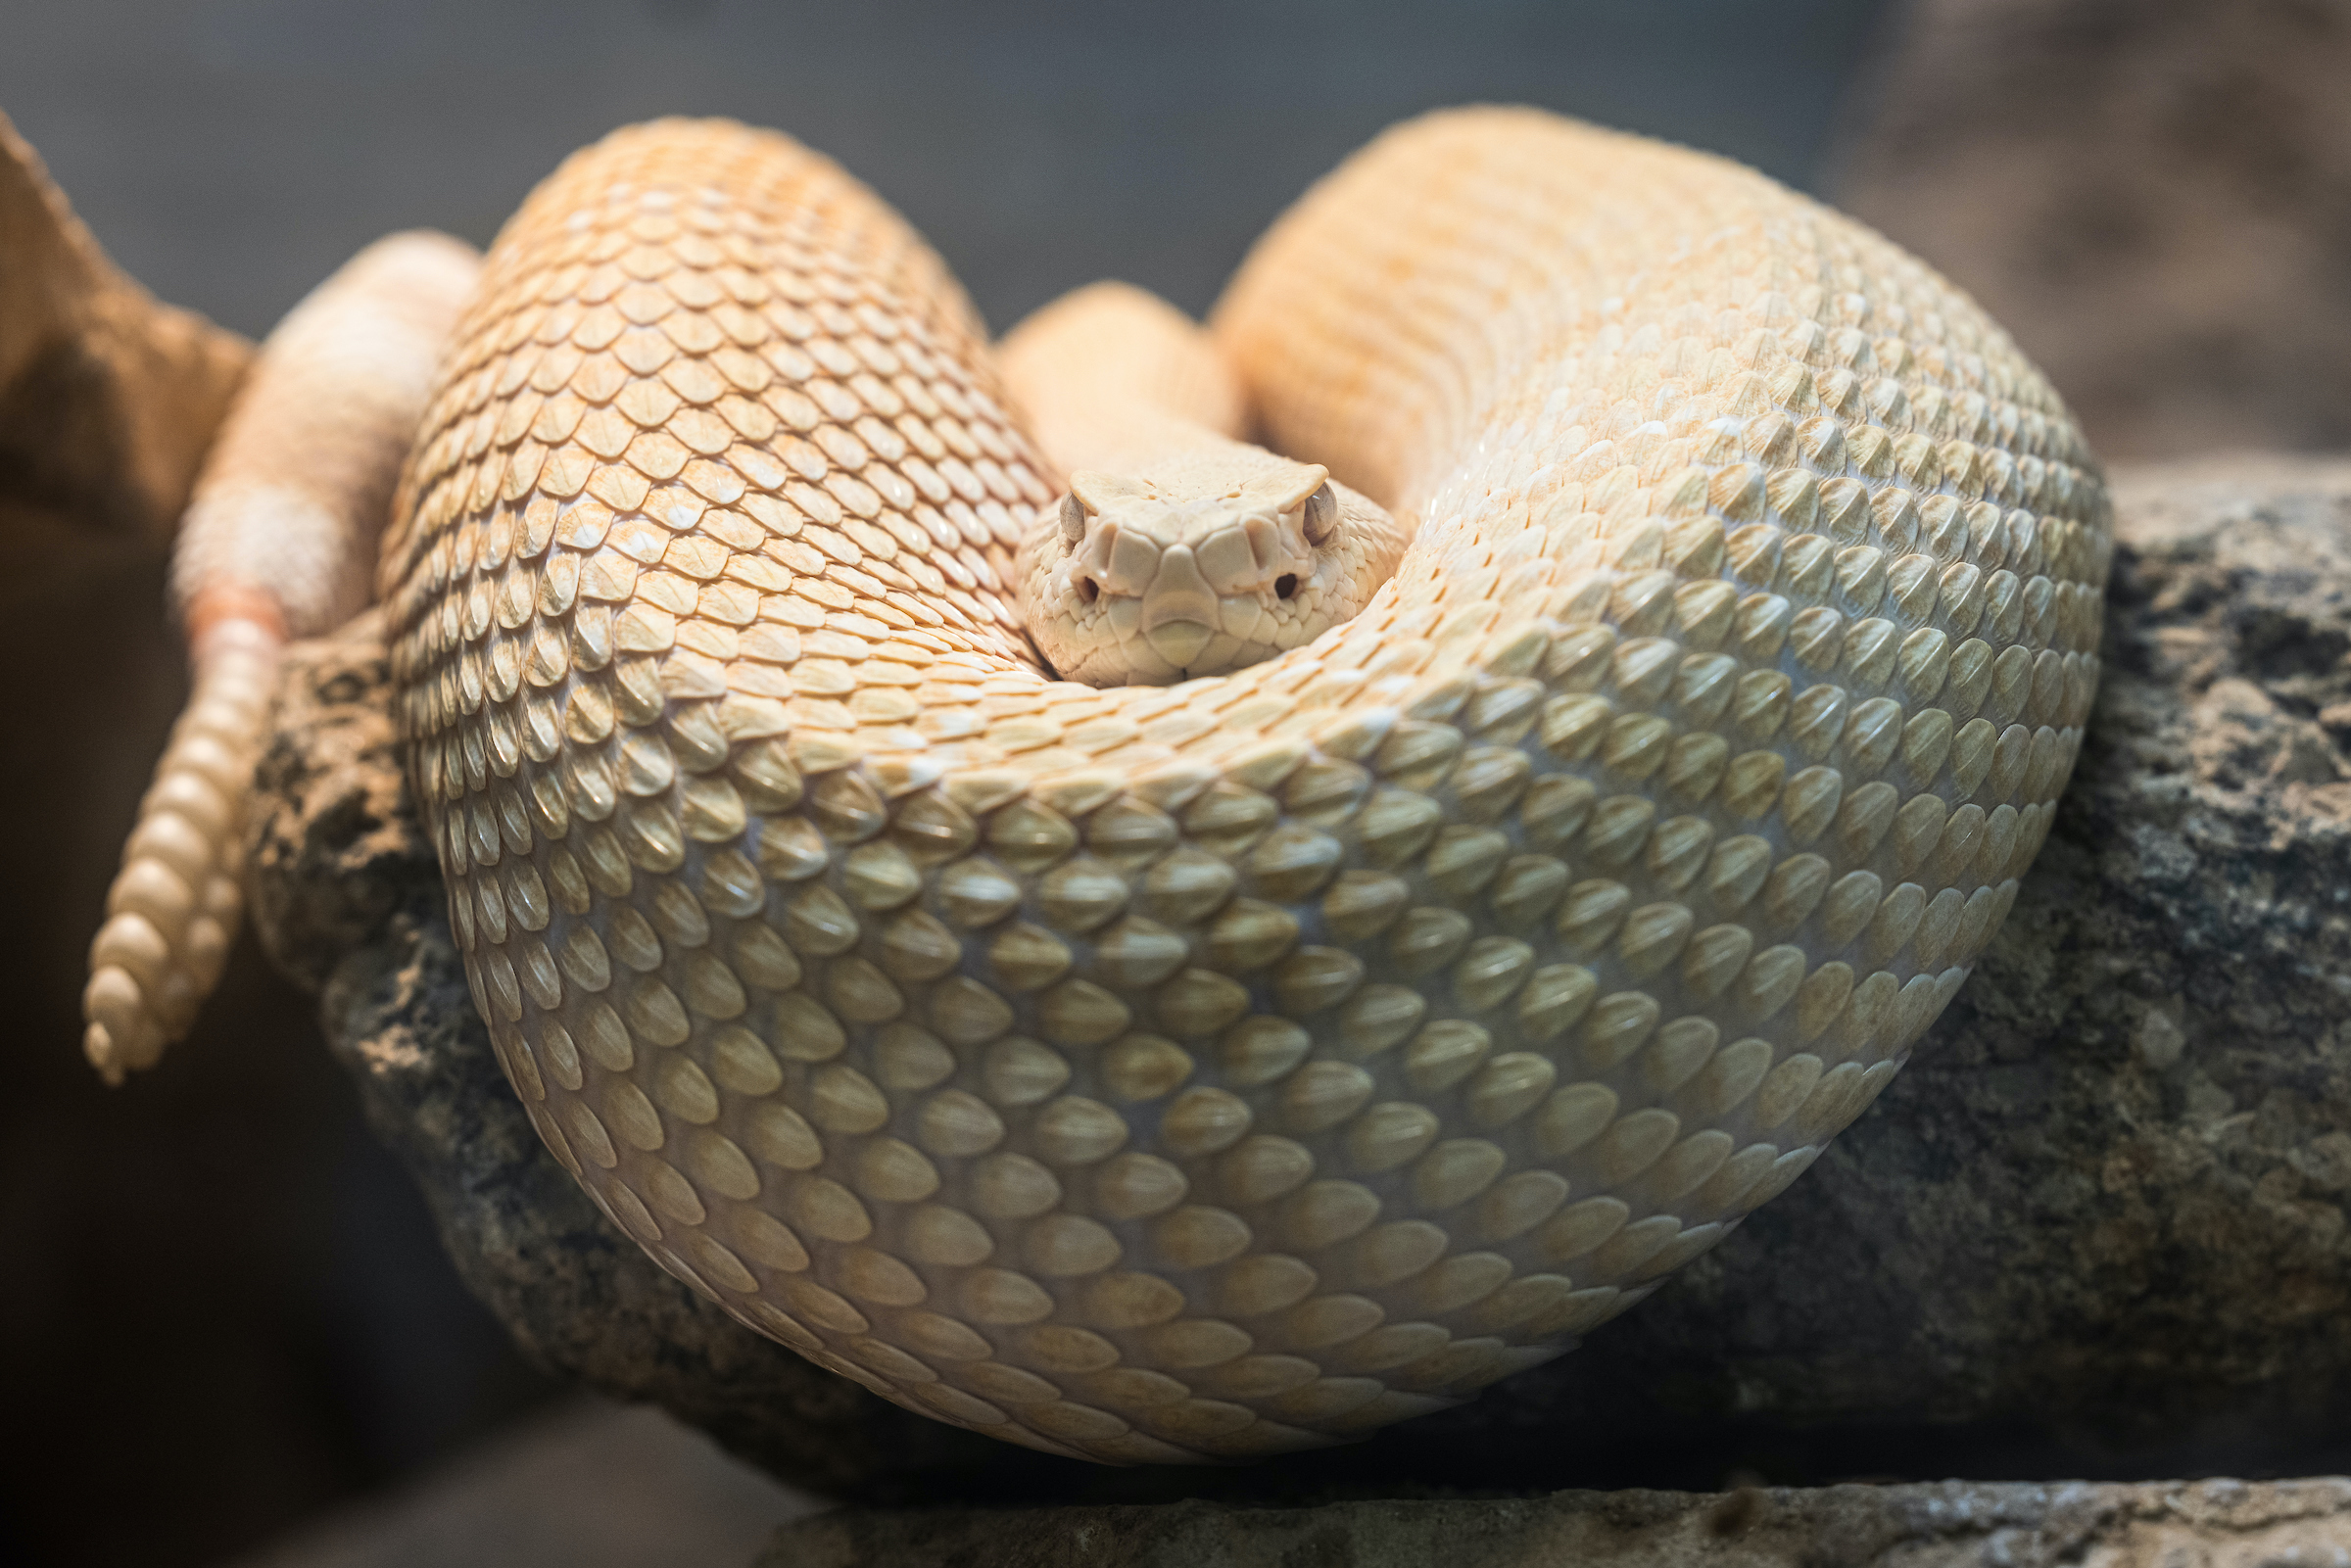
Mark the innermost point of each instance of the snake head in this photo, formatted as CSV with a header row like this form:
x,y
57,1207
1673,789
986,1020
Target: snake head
x,y
1211,562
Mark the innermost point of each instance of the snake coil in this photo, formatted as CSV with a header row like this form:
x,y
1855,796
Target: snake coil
x,y
1156,1074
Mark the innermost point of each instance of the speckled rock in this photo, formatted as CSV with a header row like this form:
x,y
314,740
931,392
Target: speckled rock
x,y
2154,196
2211,1524
337,853
2099,1220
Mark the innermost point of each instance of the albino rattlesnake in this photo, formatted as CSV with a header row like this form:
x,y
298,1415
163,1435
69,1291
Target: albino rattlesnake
x,y
1209,1069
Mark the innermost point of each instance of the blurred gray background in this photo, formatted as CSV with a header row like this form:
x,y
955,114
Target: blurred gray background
x,y
230,152
222,1312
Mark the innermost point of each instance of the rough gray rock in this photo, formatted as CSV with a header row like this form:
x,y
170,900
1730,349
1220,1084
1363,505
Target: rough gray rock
x,y
2098,1222
2210,1524
2154,196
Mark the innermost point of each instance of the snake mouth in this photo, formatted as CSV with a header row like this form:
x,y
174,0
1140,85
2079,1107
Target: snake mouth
x,y
1180,643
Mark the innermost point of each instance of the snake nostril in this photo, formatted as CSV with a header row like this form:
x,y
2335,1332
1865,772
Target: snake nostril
x,y
1285,585
1088,590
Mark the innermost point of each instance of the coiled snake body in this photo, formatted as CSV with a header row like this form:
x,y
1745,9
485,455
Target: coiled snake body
x,y
1208,1070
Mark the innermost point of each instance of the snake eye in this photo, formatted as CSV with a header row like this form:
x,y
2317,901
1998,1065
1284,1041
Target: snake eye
x,y
1320,516
1073,519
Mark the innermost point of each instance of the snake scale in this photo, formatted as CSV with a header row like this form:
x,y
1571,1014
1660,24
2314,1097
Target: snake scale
x,y
1154,1073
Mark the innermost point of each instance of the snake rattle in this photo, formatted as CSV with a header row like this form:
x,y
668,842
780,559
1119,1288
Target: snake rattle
x,y
1474,859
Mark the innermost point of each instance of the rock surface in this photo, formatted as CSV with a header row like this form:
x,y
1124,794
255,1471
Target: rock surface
x,y
2154,196
2099,1220
2212,1524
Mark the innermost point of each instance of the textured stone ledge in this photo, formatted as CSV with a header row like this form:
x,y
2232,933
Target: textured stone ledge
x,y
1952,1524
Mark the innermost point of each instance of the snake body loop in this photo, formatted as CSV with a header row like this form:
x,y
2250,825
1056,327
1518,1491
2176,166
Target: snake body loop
x,y
1160,1072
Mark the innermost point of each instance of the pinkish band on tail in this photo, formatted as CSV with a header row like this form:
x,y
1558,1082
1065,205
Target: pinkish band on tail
x,y
278,541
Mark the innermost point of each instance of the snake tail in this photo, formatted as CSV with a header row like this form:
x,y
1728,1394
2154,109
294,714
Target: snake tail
x,y
278,541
